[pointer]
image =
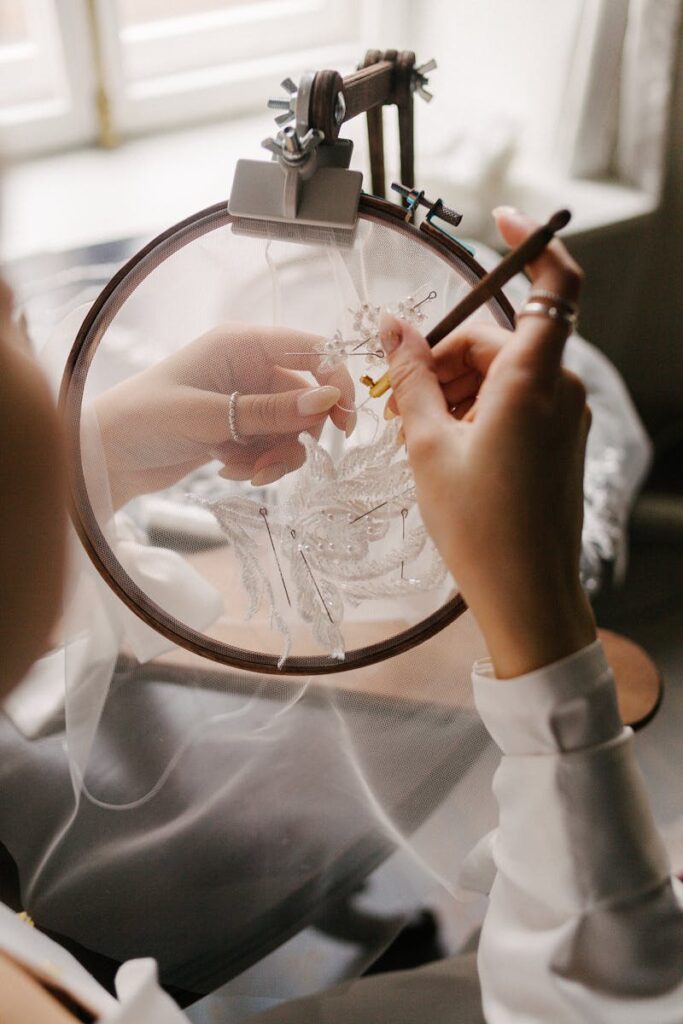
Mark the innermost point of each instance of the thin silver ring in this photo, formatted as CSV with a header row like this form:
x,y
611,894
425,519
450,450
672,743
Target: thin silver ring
x,y
555,313
553,297
232,420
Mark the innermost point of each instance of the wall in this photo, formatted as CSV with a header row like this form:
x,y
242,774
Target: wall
x,y
633,302
633,306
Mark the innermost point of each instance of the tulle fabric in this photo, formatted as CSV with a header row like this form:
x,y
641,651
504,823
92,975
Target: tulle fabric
x,y
329,557
261,834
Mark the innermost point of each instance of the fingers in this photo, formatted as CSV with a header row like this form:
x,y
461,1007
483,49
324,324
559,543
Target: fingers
x,y
342,414
467,349
540,340
463,359
269,466
277,463
554,269
284,412
299,351
465,409
266,459
458,391
414,381
259,419
455,393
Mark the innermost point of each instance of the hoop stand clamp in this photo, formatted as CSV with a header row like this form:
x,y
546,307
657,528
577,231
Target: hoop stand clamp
x,y
308,182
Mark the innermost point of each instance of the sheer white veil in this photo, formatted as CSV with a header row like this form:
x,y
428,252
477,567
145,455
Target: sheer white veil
x,y
263,834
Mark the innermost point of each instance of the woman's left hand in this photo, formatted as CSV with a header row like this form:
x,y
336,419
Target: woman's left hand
x,y
174,416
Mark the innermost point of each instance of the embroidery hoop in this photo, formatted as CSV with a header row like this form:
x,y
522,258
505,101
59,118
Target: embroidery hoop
x,y
308,189
371,209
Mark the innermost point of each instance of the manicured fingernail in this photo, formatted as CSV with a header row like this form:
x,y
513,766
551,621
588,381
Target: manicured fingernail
x,y
389,332
511,212
235,472
351,424
317,400
389,413
269,474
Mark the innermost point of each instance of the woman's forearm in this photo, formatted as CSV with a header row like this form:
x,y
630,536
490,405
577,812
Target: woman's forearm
x,y
584,922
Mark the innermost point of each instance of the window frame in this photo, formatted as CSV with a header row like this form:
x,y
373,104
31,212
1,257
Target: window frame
x,y
179,98
207,89
40,125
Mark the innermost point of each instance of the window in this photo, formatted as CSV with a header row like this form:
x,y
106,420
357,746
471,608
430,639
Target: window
x,y
536,102
154,64
580,88
31,70
195,60
44,76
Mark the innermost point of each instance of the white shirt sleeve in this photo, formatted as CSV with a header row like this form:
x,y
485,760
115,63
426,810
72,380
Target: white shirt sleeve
x,y
140,1000
584,922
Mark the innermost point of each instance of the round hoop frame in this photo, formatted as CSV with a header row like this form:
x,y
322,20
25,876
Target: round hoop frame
x,y
99,318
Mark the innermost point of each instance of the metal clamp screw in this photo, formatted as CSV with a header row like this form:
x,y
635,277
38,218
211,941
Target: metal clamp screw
x,y
285,103
339,108
419,80
289,147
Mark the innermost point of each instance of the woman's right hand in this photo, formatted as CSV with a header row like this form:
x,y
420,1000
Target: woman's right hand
x,y
500,484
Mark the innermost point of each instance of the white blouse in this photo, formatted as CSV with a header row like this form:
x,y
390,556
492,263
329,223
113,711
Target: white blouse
x,y
584,924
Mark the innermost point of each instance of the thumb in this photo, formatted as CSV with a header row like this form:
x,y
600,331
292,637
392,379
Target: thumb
x,y
284,412
414,382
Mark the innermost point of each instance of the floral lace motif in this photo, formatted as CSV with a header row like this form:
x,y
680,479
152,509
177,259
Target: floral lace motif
x,y
349,529
365,324
346,533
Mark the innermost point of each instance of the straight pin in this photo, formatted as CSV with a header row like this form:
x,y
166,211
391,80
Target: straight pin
x,y
427,298
263,512
370,511
310,573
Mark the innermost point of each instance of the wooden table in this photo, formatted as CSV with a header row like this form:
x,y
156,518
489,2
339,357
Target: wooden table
x,y
437,671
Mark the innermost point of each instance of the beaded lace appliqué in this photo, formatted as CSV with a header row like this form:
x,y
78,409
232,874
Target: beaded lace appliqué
x,y
345,534
365,325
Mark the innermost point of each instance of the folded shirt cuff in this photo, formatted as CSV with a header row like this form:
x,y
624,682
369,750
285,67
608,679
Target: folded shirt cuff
x,y
566,706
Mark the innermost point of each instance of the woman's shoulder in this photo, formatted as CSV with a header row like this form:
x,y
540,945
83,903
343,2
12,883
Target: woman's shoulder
x,y
24,999
42,973
35,969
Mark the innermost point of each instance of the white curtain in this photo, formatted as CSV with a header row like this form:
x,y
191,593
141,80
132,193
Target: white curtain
x,y
648,67
534,92
614,117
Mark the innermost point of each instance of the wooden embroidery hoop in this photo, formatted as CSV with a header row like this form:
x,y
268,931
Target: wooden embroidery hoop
x,y
385,78
83,515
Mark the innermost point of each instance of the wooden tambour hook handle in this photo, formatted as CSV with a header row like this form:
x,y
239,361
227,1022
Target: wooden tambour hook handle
x,y
515,261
